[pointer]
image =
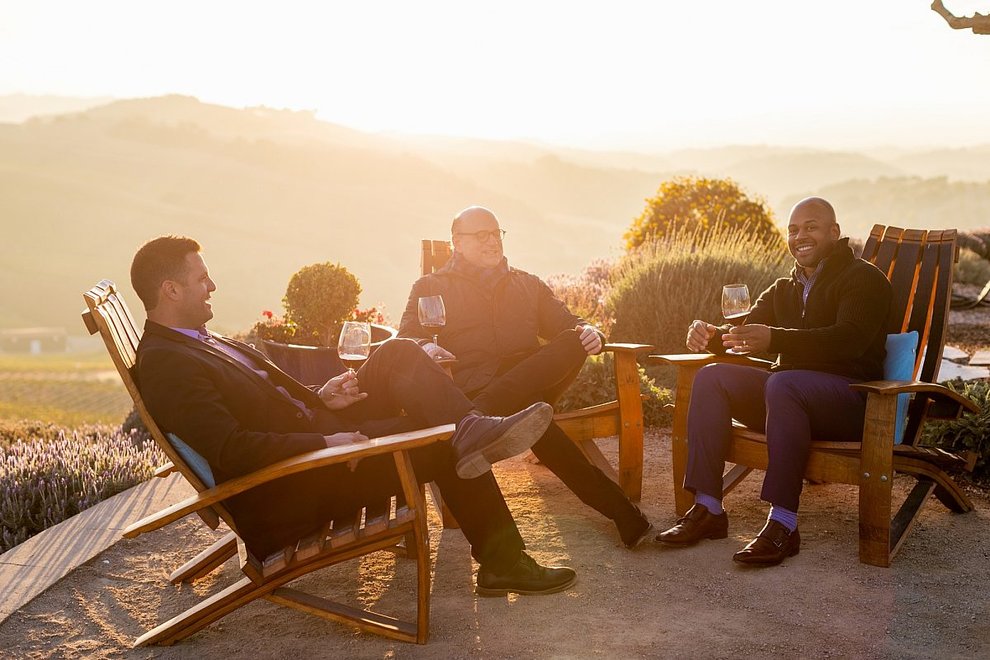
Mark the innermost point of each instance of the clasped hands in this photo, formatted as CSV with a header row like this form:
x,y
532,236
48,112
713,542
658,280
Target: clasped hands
x,y
750,338
337,393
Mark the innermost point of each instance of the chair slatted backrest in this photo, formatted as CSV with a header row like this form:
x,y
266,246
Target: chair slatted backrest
x,y
435,254
108,314
919,265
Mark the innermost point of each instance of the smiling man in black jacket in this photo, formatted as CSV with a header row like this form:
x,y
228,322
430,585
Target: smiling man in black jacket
x,y
240,413
826,323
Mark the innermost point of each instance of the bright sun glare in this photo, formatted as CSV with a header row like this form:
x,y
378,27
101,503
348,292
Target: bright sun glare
x,y
632,74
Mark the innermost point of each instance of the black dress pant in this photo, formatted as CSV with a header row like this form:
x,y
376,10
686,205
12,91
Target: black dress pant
x,y
543,376
401,377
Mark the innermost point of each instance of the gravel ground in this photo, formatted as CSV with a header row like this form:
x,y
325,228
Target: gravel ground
x,y
652,602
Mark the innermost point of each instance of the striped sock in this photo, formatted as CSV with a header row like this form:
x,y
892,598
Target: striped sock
x,y
713,505
785,517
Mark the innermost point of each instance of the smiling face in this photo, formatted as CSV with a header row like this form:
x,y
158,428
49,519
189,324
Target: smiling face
x,y
812,232
484,253
189,293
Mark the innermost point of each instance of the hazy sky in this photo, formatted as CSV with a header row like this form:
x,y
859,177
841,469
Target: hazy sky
x,y
650,74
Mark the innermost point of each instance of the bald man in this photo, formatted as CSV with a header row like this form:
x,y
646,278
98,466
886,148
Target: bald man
x,y
496,319
826,323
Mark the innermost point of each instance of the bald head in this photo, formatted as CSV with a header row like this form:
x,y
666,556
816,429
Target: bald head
x,y
477,237
817,206
473,215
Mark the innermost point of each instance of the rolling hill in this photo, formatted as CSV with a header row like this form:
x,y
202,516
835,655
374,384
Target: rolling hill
x,y
267,191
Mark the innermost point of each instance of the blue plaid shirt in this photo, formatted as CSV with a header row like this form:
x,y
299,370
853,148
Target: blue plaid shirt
x,y
808,281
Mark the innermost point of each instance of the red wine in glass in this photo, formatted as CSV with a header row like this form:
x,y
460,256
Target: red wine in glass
x,y
735,308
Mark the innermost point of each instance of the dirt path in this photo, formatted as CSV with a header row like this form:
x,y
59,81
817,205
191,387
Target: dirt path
x,y
655,602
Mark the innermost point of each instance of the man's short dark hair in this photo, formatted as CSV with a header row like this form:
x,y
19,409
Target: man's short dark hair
x,y
160,259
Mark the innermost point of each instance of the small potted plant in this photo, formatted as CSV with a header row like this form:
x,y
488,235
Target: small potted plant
x,y
318,300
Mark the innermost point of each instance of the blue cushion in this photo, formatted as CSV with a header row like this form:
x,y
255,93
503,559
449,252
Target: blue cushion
x,y
899,365
196,463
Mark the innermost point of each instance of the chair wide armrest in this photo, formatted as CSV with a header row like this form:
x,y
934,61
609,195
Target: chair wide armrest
x,y
301,463
938,393
636,349
703,359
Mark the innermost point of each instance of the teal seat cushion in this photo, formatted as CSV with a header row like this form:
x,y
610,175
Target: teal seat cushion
x,y
196,463
899,365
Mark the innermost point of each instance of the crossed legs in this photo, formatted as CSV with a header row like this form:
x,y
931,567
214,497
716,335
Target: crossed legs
x,y
543,376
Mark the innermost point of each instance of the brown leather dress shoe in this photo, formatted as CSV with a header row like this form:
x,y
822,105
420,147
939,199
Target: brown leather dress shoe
x,y
772,545
697,524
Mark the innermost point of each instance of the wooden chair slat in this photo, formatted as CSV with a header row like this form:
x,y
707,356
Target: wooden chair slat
x,y
940,307
887,249
903,276
918,317
872,243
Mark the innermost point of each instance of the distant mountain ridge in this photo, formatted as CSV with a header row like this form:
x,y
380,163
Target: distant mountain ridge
x,y
268,191
15,108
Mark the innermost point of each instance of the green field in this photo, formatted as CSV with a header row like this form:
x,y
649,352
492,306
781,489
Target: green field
x,y
67,389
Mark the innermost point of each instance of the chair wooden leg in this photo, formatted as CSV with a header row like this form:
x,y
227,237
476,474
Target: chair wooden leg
x,y
631,429
423,581
734,477
414,495
379,624
876,479
446,516
203,614
683,499
907,515
206,561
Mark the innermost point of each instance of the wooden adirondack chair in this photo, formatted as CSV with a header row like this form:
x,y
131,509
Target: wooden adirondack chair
x,y
919,266
623,417
380,527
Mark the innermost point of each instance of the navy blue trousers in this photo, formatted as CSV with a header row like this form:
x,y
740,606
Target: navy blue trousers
x,y
792,407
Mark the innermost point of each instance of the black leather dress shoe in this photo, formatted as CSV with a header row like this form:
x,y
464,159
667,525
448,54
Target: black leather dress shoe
x,y
481,441
526,577
696,525
772,545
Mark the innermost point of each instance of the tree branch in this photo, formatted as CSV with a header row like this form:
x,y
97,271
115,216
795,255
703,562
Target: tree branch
x,y
979,23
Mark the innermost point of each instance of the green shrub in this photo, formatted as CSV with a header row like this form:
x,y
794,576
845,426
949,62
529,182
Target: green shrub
x,y
596,384
318,300
971,268
969,432
658,289
44,481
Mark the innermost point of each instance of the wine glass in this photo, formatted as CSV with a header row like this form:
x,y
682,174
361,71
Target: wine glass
x,y
735,308
432,314
354,344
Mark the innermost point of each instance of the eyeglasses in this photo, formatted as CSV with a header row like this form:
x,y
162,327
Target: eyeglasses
x,y
484,235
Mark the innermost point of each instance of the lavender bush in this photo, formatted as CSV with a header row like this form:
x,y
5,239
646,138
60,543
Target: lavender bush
x,y
49,474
